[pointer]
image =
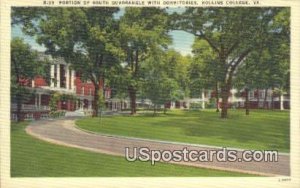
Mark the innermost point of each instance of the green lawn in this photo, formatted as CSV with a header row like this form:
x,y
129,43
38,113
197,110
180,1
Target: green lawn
x,y
260,130
34,158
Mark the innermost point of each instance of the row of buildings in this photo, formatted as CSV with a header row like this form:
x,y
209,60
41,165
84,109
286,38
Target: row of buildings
x,y
78,95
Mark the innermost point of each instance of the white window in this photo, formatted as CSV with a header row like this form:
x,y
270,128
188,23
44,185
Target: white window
x,y
261,94
251,94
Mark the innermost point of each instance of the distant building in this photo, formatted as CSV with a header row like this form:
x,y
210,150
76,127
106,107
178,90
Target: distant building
x,y
258,98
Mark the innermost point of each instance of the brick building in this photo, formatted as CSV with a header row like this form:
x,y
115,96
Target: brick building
x,y
78,94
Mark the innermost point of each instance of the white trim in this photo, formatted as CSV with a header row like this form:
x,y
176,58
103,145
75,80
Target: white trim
x,y
33,83
72,80
52,76
67,73
58,75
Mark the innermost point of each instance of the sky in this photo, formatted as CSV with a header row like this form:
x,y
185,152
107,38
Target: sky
x,y
182,41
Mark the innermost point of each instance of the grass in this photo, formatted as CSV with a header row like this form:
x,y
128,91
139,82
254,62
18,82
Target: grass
x,y
31,157
263,130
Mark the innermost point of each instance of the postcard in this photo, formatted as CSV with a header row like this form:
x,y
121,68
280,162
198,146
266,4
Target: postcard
x,y
142,93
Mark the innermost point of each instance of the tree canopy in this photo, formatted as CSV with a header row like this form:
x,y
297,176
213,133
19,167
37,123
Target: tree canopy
x,y
246,46
143,31
233,34
84,37
25,65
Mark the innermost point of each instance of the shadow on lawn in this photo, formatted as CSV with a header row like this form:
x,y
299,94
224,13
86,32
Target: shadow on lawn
x,y
267,132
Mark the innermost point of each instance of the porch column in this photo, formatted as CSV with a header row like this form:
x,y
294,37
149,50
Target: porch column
x,y
281,102
40,99
203,98
81,104
233,96
36,101
72,79
187,103
32,83
58,75
52,76
67,76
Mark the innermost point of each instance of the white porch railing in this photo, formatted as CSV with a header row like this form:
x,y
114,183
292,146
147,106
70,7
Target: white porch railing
x,y
30,107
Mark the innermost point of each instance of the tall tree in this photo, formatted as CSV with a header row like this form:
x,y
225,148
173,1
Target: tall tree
x,y
142,30
268,66
249,77
233,33
176,66
204,71
160,84
275,66
25,65
87,38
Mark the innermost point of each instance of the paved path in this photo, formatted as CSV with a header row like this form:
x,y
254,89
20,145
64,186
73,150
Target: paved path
x,y
64,132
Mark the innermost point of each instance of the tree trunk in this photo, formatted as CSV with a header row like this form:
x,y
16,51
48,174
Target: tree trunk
x,y
225,96
165,110
272,99
132,96
247,101
96,99
281,99
19,107
217,98
154,110
203,98
131,89
18,94
257,98
265,99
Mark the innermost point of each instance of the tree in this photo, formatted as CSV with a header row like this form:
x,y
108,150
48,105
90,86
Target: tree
x,y
25,65
204,71
278,61
160,80
160,89
101,103
142,31
232,33
26,17
249,77
268,66
176,67
275,62
85,37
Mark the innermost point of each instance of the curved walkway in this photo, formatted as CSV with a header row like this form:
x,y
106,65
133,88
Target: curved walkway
x,y
64,132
